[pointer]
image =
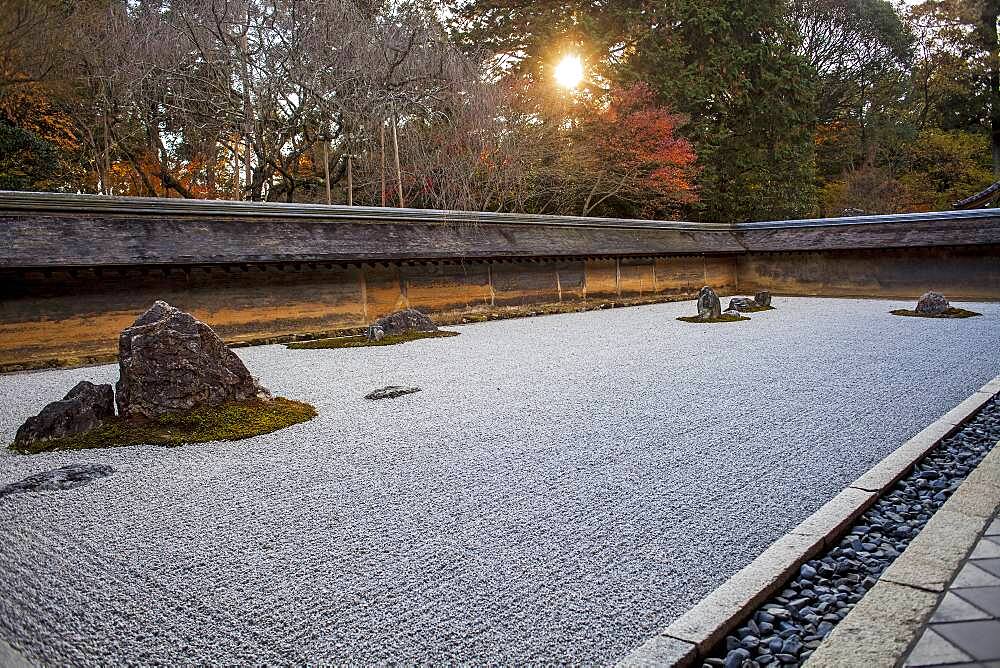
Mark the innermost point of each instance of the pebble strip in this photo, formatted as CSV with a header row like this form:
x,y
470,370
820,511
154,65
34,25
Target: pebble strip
x,y
788,628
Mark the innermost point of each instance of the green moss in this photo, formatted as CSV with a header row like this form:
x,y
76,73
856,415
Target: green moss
x,y
758,309
364,341
722,318
950,313
228,422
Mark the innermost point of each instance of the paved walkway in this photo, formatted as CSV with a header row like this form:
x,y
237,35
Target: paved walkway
x,y
965,628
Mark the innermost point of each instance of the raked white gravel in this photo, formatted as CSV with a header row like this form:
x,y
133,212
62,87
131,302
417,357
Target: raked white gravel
x,y
562,487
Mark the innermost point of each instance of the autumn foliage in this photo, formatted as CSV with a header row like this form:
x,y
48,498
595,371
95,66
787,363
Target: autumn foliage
x,y
645,166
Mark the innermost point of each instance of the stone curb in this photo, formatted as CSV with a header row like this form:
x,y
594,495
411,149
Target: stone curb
x,y
11,658
890,618
696,632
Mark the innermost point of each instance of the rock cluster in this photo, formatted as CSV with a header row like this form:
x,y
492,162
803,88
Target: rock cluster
x,y
742,304
400,322
171,362
932,303
709,306
66,477
789,627
83,408
745,304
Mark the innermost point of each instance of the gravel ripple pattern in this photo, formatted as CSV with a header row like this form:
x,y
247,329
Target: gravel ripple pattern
x,y
788,628
562,488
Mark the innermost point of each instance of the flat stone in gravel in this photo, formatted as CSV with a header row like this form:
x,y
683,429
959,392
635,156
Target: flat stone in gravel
x,y
64,477
572,485
391,392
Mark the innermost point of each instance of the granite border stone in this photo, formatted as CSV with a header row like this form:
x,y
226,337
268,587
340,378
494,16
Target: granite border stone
x,y
695,632
887,622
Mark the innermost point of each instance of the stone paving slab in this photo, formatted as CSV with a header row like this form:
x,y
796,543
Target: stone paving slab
x,y
930,565
938,603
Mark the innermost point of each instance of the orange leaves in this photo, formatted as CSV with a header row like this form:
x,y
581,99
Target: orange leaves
x,y
638,137
29,106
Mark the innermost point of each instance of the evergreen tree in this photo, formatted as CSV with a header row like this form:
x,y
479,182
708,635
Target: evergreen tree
x,y
728,66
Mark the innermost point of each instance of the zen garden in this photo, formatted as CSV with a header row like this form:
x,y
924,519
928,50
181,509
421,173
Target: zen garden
x,y
494,332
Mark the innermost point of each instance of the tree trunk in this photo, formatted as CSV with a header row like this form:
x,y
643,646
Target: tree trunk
x,y
382,150
247,107
106,178
350,180
236,172
991,10
326,170
395,150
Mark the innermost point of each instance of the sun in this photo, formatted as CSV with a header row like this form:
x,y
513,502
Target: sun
x,y
569,71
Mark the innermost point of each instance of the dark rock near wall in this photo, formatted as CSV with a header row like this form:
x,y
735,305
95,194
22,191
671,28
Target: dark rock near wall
x,y
171,362
709,306
763,298
742,304
66,477
932,303
401,322
83,408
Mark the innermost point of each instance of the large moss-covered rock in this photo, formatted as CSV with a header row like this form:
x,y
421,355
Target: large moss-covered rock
x,y
170,362
83,408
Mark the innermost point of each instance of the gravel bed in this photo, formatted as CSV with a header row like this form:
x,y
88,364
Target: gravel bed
x,y
560,489
788,628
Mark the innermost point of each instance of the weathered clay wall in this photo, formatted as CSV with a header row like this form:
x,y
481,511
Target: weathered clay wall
x,y
76,315
75,270
960,272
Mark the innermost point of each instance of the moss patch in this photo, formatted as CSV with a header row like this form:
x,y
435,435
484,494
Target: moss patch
x,y
365,342
228,422
721,318
950,313
758,309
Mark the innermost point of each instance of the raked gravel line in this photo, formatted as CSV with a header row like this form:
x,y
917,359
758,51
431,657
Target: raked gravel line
x,y
562,488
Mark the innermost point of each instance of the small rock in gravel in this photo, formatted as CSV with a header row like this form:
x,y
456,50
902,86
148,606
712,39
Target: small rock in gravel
x,y
741,304
736,658
65,477
82,409
401,322
932,303
791,646
763,298
391,392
